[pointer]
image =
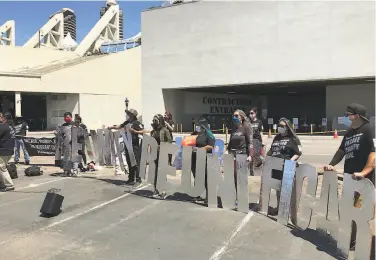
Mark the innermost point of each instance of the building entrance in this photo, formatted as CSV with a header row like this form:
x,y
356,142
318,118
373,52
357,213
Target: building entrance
x,y
34,111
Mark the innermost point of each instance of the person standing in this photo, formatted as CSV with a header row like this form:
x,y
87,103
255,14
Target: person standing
x,y
162,135
286,145
66,151
81,138
7,140
170,125
241,139
136,130
205,139
257,128
20,128
358,150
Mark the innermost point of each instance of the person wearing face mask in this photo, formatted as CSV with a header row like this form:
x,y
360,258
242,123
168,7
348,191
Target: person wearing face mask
x,y
358,149
257,128
286,145
205,139
161,134
241,139
137,130
67,122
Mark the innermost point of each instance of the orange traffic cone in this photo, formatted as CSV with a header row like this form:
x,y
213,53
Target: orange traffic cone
x,y
335,134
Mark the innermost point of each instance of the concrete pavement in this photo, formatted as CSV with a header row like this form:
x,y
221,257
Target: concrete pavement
x,y
104,219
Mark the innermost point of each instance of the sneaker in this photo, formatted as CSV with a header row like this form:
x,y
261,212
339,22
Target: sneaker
x,y
155,194
163,195
27,163
130,182
137,184
16,162
6,189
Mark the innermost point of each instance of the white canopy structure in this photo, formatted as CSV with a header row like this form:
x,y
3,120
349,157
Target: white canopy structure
x,y
7,33
69,43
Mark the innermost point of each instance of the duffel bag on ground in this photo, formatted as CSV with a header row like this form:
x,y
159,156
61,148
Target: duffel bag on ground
x,y
33,171
12,169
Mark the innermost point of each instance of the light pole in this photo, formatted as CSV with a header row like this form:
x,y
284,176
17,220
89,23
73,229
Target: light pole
x,y
126,107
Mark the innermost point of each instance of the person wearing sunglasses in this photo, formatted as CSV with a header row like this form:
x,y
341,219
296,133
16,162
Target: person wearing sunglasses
x,y
286,145
358,149
257,128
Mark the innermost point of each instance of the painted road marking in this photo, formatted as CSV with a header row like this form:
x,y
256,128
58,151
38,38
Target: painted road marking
x,y
33,185
224,247
74,216
74,243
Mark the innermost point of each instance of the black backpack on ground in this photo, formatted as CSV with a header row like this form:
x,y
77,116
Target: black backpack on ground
x,y
12,169
33,171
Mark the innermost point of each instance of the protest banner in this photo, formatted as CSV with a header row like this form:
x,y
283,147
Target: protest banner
x,y
40,146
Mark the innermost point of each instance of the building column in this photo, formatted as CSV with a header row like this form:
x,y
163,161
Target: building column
x,y
17,104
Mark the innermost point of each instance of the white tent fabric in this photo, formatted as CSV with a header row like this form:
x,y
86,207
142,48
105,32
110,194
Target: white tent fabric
x,y
69,43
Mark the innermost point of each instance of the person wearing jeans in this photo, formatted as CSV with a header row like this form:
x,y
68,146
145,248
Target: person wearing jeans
x,y
20,129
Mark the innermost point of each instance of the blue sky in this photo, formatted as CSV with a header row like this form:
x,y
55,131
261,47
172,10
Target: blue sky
x,y
31,15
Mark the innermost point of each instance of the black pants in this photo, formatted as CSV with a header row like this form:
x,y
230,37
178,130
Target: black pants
x,y
156,171
83,154
193,168
134,172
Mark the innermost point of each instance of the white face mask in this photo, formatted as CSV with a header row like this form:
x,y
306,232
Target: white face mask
x,y
282,130
252,116
198,129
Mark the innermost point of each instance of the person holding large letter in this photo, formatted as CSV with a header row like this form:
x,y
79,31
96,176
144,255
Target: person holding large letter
x,y
257,128
358,149
286,145
205,139
161,134
136,129
241,139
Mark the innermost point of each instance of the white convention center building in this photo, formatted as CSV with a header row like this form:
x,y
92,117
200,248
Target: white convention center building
x,y
296,59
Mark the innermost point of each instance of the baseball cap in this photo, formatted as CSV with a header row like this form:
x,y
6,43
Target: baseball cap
x,y
132,111
358,109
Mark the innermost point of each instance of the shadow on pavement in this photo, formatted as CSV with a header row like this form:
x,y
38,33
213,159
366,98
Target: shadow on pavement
x,y
322,243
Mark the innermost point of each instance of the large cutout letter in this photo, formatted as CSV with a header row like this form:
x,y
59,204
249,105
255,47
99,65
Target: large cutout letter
x,y
217,186
119,149
303,204
164,168
361,213
286,191
242,170
199,183
76,131
148,156
108,147
268,183
127,139
328,204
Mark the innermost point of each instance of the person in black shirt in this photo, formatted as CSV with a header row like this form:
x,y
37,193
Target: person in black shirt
x,y
286,145
358,149
241,139
257,128
81,138
20,128
161,134
136,129
205,139
7,140
170,125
